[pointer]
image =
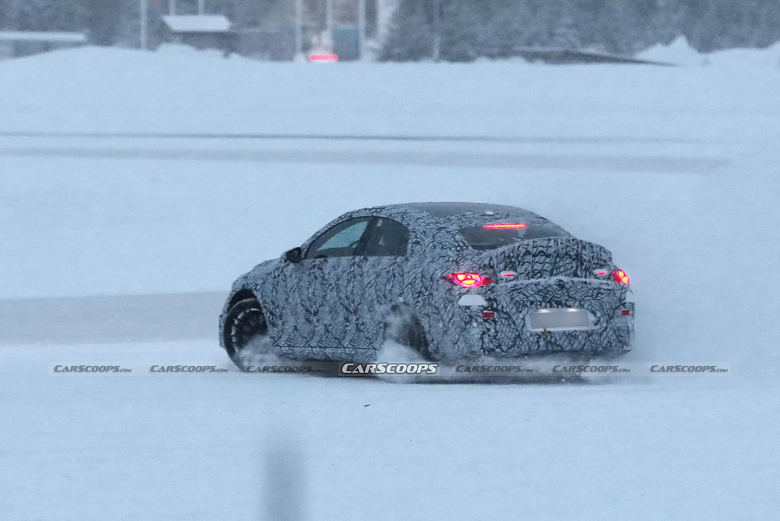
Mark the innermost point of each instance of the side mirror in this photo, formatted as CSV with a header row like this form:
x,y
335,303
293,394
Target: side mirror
x,y
295,255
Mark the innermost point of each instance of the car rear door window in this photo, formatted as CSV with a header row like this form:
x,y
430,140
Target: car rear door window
x,y
388,238
343,240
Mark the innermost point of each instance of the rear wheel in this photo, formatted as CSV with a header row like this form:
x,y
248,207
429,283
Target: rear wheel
x,y
244,332
404,328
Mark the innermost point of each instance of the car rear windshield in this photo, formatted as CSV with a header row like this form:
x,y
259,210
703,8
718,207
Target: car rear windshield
x,y
480,238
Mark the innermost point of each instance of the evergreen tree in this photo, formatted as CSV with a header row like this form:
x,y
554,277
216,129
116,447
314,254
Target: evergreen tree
x,y
497,28
508,28
103,21
410,37
49,15
463,30
565,33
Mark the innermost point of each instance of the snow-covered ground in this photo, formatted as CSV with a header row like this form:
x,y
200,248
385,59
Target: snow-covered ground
x,y
674,169
111,90
197,446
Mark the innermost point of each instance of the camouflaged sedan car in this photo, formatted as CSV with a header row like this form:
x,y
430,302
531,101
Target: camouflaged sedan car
x,y
453,281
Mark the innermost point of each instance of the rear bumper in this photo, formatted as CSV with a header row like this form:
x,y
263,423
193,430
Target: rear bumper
x,y
610,338
509,333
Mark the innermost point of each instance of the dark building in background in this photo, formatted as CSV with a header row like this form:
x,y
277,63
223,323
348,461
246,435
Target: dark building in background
x,y
269,43
346,43
14,44
200,31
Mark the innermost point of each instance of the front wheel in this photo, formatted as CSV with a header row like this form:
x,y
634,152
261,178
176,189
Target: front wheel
x,y
246,332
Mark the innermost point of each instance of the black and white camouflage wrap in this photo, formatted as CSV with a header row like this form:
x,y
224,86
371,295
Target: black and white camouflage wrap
x,y
335,308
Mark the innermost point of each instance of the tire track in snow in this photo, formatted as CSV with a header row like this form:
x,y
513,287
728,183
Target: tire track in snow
x,y
345,137
595,162
111,319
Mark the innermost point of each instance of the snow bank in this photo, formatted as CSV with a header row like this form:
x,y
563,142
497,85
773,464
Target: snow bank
x,y
679,52
197,23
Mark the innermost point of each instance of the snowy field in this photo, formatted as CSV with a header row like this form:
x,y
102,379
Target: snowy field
x,y
117,251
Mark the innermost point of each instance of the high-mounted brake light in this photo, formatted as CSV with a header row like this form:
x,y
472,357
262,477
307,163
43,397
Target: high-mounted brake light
x,y
513,226
469,280
620,276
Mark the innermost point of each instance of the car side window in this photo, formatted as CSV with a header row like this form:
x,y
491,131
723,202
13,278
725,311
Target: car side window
x,y
343,240
388,238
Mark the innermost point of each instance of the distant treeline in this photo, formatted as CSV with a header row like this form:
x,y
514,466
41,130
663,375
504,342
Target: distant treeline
x,y
468,29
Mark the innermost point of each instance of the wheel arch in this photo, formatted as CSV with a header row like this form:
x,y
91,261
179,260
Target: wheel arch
x,y
240,295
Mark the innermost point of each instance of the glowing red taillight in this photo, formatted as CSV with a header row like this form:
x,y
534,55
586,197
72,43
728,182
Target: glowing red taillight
x,y
620,276
469,280
512,226
323,57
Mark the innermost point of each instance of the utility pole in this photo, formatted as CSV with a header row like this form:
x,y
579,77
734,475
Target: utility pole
x,y
436,29
171,7
329,22
298,29
380,21
201,7
362,29
144,22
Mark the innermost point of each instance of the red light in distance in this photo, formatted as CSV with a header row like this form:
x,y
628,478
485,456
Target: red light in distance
x,y
469,280
513,226
323,57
